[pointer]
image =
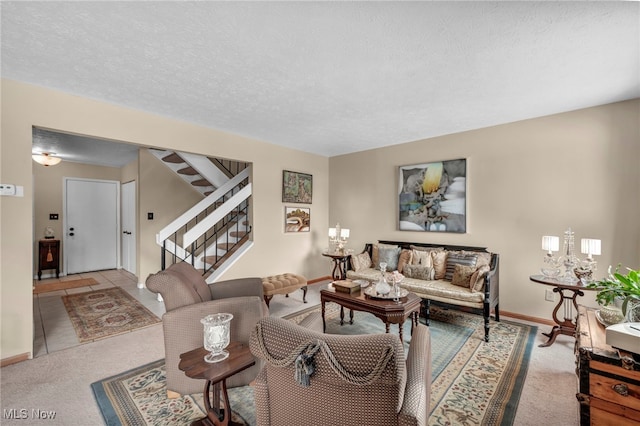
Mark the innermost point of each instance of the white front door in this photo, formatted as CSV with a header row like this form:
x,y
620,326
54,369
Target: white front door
x,y
91,220
129,227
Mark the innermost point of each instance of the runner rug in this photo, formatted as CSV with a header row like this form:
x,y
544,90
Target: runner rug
x,y
473,382
63,285
104,313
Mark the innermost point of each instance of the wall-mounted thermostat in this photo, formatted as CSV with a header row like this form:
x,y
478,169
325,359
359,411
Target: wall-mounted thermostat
x,y
7,189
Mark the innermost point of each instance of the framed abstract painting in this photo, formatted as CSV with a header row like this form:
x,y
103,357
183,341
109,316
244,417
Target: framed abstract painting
x,y
432,197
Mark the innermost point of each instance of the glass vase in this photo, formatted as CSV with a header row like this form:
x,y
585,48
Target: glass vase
x,y
216,336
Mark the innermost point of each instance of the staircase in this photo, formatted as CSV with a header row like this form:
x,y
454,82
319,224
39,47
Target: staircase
x,y
215,232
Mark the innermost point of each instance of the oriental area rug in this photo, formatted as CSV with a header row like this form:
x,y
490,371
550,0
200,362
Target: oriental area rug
x,y
104,313
473,382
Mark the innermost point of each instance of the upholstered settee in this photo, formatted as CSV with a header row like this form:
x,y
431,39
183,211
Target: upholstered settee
x,y
315,379
188,298
446,274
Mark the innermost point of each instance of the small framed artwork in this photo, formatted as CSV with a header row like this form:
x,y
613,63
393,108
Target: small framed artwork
x,y
432,197
296,187
297,219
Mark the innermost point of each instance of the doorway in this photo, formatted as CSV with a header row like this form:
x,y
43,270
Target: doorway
x,y
91,224
129,227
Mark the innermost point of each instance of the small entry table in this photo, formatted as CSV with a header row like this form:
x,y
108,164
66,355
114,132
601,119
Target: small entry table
x,y
388,311
568,325
216,374
339,265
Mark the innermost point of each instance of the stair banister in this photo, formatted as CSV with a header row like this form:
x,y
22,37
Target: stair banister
x,y
187,216
217,215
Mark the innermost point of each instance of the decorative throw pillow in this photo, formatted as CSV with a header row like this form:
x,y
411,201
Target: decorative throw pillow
x,y
419,272
476,283
484,258
404,259
375,258
454,259
389,256
439,259
421,257
462,275
421,248
360,261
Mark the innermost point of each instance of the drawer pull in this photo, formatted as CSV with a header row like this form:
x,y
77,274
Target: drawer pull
x,y
621,389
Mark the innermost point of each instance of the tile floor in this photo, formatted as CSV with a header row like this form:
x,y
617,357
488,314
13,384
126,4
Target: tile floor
x,y
53,328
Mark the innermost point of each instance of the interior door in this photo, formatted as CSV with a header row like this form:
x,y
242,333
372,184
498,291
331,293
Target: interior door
x,y
129,227
91,212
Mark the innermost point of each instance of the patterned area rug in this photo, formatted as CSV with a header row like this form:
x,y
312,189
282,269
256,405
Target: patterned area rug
x,y
104,313
474,383
138,397
63,285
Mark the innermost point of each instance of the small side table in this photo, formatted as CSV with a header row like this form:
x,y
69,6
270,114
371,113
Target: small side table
x,y
216,375
48,256
568,325
339,265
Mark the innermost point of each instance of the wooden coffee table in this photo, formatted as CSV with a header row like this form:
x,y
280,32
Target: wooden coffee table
x,y
388,311
216,374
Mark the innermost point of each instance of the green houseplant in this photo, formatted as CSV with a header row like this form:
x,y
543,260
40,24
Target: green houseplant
x,y
618,286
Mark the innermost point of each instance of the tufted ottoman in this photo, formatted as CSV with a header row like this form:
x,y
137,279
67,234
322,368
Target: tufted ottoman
x,y
283,284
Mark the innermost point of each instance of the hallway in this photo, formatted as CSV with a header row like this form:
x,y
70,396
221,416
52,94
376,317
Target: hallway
x,y
53,328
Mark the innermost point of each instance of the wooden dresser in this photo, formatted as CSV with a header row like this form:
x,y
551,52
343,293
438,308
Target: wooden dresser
x,y
609,379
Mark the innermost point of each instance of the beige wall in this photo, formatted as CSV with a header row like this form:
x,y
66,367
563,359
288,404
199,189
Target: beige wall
x,y
165,195
25,106
48,197
524,180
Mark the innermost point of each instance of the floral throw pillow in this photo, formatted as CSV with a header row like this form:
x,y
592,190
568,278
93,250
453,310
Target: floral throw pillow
x,y
462,275
419,272
360,261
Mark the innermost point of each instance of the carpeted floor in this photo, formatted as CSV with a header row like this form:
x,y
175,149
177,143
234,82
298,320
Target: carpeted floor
x,y
493,373
104,313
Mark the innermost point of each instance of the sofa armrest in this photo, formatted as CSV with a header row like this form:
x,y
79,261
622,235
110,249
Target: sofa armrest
x,y
491,280
415,406
237,288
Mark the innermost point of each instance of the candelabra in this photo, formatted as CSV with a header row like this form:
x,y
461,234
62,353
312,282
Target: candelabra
x,y
573,266
338,237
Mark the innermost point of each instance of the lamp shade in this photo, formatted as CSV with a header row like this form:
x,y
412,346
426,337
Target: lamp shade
x,y
550,243
46,159
332,232
590,247
344,233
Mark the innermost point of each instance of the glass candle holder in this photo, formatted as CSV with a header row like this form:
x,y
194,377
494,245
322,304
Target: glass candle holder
x,y
216,336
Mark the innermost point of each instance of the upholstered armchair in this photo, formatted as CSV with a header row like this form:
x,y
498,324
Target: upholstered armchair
x,y
310,378
188,298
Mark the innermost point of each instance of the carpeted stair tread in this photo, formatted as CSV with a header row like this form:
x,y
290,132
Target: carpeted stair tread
x,y
201,182
173,158
189,171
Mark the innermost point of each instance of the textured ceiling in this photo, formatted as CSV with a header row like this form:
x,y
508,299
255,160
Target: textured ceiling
x,y
331,77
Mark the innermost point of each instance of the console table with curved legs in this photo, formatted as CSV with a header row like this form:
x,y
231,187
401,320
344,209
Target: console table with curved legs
x,y
339,265
567,325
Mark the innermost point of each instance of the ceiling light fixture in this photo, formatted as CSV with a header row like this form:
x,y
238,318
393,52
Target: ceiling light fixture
x,y
46,159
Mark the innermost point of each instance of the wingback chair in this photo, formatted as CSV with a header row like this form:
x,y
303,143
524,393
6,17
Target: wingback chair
x,y
188,298
353,380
